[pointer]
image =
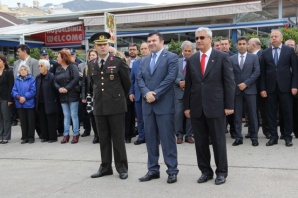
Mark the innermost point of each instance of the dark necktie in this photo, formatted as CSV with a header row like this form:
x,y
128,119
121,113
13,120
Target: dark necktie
x,y
152,63
275,55
203,63
241,62
184,64
102,64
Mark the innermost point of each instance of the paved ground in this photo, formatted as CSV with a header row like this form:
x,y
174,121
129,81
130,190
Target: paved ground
x,y
56,170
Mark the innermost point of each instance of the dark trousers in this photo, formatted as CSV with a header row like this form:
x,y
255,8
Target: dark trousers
x,y
111,134
5,120
250,101
129,120
261,102
93,123
27,118
84,117
215,128
139,112
285,102
60,118
295,116
47,123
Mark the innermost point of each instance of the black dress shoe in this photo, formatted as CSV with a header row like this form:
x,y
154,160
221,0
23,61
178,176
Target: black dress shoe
x,y
255,143
30,141
149,176
123,175
172,178
51,141
85,134
247,135
237,142
102,173
220,180
14,123
44,140
95,140
204,178
271,142
138,142
24,141
289,143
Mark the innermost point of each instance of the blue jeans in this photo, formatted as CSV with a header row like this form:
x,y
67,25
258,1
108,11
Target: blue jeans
x,y
70,109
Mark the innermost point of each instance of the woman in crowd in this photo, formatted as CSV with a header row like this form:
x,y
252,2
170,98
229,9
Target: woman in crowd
x,y
6,84
24,92
66,82
46,103
87,89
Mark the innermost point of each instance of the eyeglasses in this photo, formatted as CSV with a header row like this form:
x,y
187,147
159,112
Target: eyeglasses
x,y
200,37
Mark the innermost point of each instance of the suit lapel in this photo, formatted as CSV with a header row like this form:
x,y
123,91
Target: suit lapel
x,y
282,52
197,63
210,63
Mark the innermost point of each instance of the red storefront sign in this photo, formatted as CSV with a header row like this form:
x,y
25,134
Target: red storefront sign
x,y
68,35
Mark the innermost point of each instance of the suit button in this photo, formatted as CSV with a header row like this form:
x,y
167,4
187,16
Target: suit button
x,y
101,78
102,83
102,89
119,94
101,72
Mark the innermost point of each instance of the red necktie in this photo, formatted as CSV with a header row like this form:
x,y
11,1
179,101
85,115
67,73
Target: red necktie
x,y
203,63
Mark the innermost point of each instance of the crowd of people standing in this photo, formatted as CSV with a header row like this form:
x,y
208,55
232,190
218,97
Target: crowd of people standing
x,y
191,98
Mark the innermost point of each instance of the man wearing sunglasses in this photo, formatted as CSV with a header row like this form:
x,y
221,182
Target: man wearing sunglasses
x,y
208,98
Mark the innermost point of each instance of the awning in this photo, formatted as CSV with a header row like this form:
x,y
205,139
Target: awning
x,y
20,31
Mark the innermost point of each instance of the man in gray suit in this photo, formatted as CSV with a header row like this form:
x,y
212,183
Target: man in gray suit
x,y
246,70
156,78
23,52
187,51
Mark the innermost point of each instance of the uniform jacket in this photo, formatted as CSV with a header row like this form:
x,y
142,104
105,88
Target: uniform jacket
x,y
110,86
26,88
161,81
213,92
31,62
49,92
284,75
249,74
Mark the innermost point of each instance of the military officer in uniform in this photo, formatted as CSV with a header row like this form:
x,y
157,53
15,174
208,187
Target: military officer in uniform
x,y
111,84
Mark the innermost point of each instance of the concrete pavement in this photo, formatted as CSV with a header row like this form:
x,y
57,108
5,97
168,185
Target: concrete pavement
x,y
56,170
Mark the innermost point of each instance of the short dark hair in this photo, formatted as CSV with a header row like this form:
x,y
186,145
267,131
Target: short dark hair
x,y
133,45
242,38
224,38
24,47
156,33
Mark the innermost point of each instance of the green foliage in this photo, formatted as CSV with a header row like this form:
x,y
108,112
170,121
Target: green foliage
x,y
175,46
35,53
264,41
11,60
290,33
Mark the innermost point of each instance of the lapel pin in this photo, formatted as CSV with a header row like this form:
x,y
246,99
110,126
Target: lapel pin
x,y
212,61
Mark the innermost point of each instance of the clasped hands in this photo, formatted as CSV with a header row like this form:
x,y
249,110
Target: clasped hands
x,y
22,99
150,96
242,86
62,90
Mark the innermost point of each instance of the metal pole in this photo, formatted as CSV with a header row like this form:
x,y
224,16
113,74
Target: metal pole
x,y
22,39
280,9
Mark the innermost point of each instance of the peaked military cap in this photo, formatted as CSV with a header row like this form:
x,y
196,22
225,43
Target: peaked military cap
x,y
100,38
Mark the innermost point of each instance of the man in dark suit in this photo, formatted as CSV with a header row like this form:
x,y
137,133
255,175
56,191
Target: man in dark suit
x,y
254,47
135,94
208,98
187,51
156,78
246,70
111,83
278,84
